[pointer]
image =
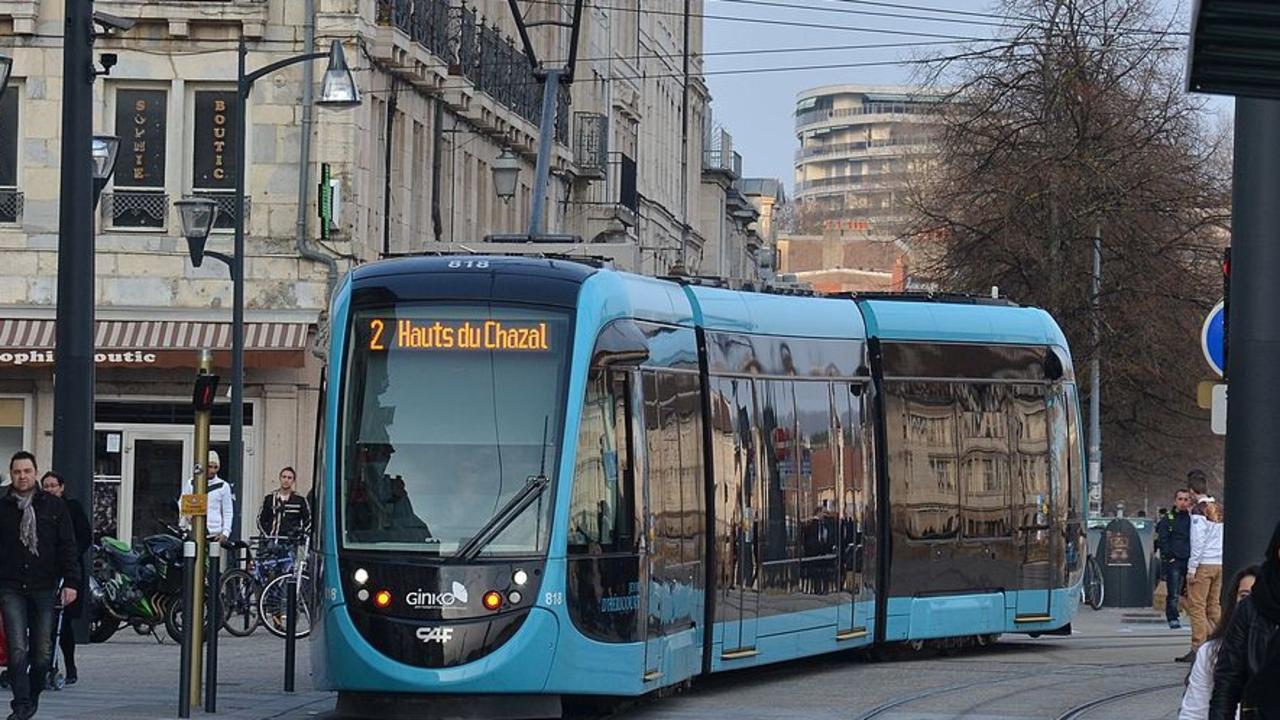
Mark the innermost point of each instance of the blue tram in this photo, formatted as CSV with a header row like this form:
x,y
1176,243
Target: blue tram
x,y
543,478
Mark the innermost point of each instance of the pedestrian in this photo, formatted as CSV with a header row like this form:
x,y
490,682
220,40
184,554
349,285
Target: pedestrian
x,y
221,511
1173,537
1204,566
53,484
285,512
37,555
1195,699
1247,673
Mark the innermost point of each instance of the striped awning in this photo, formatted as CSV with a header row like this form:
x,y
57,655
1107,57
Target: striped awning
x,y
158,335
158,343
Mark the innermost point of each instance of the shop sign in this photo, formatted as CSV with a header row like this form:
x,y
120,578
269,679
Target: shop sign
x,y
17,358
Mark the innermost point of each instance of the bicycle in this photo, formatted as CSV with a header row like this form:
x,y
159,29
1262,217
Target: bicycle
x,y
1093,590
273,602
241,588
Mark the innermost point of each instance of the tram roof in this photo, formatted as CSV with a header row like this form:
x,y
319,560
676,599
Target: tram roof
x,y
768,314
960,322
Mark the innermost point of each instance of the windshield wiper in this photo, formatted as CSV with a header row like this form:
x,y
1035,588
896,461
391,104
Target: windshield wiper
x,y
518,503
533,488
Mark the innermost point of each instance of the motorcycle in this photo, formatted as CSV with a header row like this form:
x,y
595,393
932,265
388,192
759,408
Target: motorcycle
x,y
135,587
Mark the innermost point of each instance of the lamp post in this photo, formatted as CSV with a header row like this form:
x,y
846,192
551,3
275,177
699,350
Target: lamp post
x,y
338,90
104,151
6,67
506,173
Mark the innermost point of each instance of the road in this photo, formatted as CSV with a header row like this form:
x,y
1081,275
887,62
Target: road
x,y
1124,658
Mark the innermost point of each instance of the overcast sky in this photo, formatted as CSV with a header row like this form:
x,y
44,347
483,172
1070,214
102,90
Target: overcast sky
x,y
757,108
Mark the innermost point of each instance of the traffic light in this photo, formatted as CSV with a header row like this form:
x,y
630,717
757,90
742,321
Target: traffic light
x,y
1226,307
206,390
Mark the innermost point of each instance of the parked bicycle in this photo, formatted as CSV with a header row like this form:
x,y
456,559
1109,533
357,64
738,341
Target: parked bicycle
x,y
1093,591
240,589
273,602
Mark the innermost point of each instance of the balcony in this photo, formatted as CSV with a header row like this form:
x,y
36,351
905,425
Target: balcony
x,y
142,210
249,15
226,218
429,41
591,144
870,181
869,148
863,114
718,154
10,206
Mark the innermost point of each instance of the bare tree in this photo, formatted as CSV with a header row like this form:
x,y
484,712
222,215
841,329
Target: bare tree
x,y
1074,122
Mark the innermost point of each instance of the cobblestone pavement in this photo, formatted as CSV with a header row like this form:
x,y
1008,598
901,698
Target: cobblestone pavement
x,y
1123,656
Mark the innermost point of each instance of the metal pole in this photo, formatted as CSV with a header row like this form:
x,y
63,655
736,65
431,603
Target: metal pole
x,y
193,612
1252,455
290,632
215,612
184,665
236,476
1095,368
73,363
546,134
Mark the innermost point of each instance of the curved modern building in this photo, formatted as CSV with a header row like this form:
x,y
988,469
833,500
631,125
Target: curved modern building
x,y
856,145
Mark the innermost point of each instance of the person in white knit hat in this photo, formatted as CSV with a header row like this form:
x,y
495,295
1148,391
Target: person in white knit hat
x,y
221,502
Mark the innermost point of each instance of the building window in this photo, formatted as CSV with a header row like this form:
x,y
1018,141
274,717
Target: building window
x,y
139,200
13,429
10,197
215,154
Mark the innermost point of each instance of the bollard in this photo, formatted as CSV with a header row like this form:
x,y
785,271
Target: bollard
x,y
290,633
215,612
184,668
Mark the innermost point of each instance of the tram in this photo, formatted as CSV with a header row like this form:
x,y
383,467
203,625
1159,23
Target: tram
x,y
543,478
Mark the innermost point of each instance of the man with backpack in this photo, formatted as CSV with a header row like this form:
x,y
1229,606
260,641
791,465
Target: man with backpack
x,y
1204,566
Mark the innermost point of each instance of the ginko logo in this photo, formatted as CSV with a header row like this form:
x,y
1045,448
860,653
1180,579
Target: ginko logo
x,y
423,599
441,634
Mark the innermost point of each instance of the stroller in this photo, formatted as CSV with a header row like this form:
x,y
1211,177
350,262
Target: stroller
x,y
56,679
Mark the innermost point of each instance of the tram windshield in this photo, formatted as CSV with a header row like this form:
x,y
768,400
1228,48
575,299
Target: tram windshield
x,y
449,413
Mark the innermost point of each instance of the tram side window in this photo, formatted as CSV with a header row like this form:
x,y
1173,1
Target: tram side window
x,y
923,465
1030,428
817,497
984,459
781,465
602,510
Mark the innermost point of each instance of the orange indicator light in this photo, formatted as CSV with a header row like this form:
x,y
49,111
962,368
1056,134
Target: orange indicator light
x,y
492,600
382,599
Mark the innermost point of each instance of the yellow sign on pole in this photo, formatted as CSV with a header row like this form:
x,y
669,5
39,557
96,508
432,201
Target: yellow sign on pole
x,y
1204,393
195,504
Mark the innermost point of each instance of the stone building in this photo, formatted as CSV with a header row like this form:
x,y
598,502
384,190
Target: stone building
x,y
446,89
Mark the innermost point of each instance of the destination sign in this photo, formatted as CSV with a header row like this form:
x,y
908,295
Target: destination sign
x,y
490,335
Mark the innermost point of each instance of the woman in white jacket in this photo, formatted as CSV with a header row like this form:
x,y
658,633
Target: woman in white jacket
x,y
1195,700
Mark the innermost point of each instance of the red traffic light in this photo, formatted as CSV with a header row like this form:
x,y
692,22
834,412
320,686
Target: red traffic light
x,y
205,392
1226,262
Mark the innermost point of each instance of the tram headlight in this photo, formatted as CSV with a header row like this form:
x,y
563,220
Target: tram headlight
x,y
514,597
363,595
382,599
492,600
520,577
361,576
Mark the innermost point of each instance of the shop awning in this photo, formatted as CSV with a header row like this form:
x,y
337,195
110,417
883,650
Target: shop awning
x,y
158,343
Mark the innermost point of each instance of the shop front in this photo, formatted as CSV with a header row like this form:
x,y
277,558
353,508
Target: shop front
x,y
143,420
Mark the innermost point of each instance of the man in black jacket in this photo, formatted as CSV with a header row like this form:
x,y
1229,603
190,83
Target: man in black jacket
x,y
1248,663
37,553
285,512
1173,537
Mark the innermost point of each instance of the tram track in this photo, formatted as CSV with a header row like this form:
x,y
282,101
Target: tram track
x,y
1082,710
902,701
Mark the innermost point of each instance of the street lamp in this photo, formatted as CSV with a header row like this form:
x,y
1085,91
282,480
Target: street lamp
x,y
506,173
6,67
104,151
338,90
197,216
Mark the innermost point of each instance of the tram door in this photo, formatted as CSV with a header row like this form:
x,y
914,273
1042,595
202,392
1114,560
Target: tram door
x,y
1033,502
652,566
855,474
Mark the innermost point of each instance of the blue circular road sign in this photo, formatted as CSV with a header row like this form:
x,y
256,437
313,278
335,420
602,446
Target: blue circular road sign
x,y
1213,338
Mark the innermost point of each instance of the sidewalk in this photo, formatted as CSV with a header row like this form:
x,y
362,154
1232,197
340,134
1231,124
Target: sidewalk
x,y
135,678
